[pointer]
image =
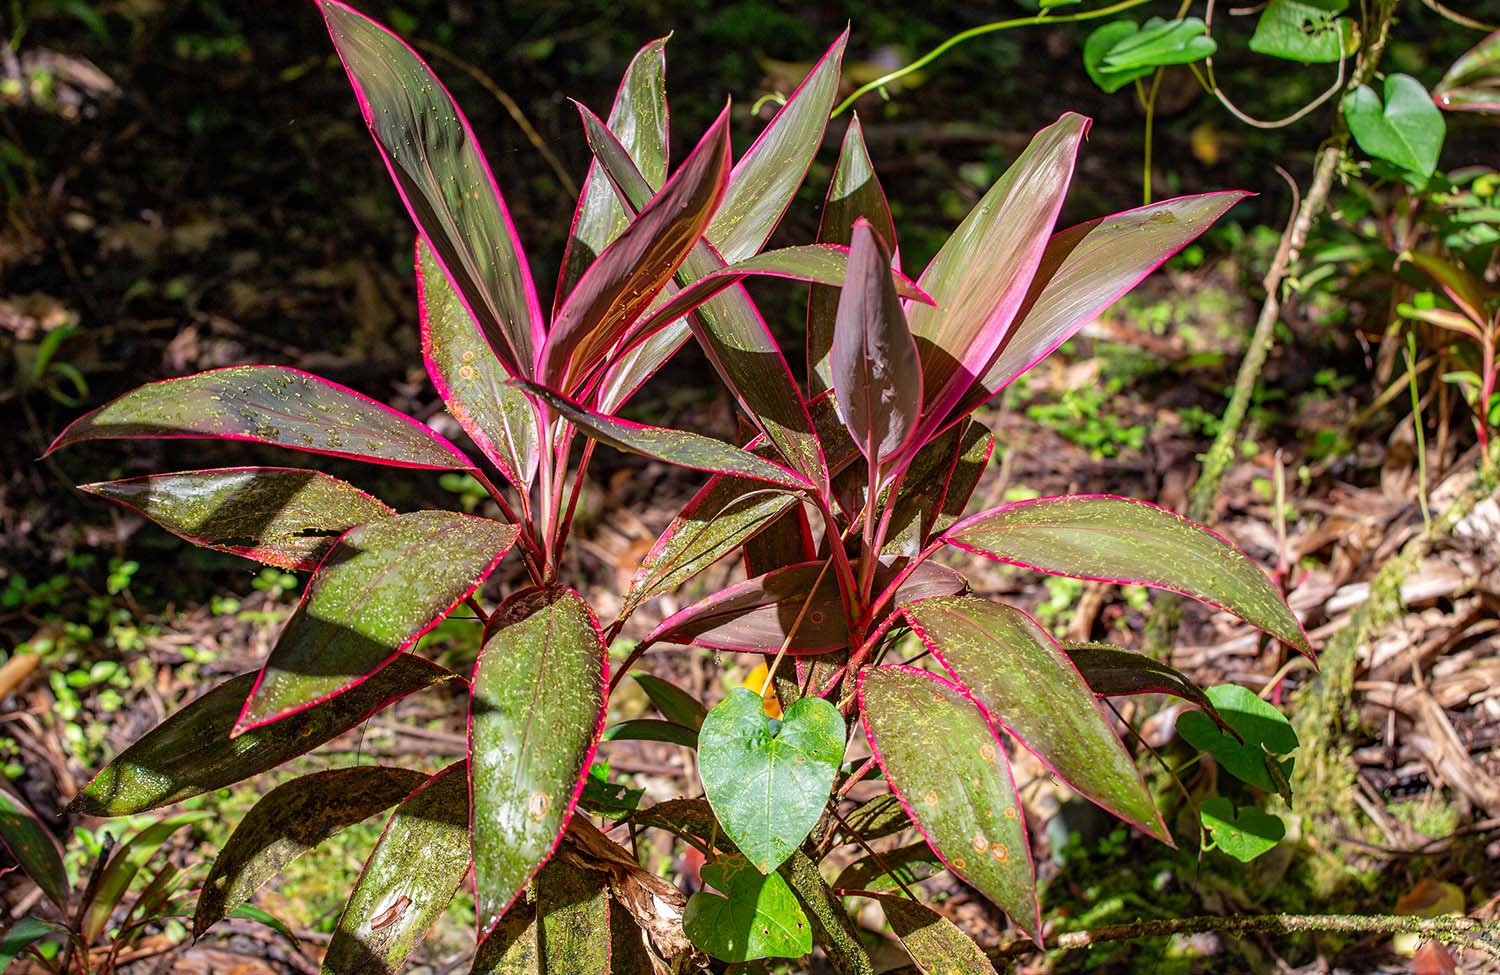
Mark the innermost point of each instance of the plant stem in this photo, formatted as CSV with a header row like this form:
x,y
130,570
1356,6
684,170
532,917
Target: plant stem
x,y
832,928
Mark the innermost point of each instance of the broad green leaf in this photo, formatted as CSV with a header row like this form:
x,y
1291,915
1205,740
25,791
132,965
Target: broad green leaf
x,y
381,587
937,487
981,275
935,943
1121,540
758,916
192,751
443,178
277,515
32,846
1112,672
1098,44
769,780
272,405
573,908
854,192
289,821
1159,43
1309,31
1405,128
1472,84
122,868
25,933
653,729
674,703
907,864
877,378
408,881
878,818
470,379
638,119
534,721
678,447
1020,675
1265,732
1244,833
768,175
945,763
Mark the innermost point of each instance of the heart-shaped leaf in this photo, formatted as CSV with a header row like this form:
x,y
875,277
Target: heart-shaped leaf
x,y
534,722
33,847
1405,129
1265,731
1112,539
277,515
192,751
935,943
1309,31
768,781
948,767
1472,84
758,916
1159,43
1244,833
381,587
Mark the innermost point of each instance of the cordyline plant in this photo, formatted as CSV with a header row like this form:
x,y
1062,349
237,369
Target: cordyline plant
x,y
838,505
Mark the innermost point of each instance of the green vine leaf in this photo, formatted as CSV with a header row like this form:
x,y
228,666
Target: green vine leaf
x,y
1122,51
1406,128
1309,31
758,917
1265,730
1244,833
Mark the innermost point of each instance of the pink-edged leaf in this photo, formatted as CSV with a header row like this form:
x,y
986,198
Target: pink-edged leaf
x,y
470,379
1472,84
535,717
937,487
416,868
1112,671
1087,268
786,541
381,587
1122,540
935,943
271,405
444,180
32,846
281,516
755,616
669,446
945,762
733,335
624,280
193,752
980,276
854,192
1019,674
638,119
768,175
574,912
877,378
1473,297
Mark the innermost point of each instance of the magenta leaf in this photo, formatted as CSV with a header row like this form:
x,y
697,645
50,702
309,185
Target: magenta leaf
x,y
1019,674
877,378
444,180
471,380
945,762
277,515
535,717
381,587
1131,542
272,405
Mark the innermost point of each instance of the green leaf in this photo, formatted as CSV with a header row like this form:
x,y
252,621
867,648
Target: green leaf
x,y
758,917
381,587
25,933
935,943
1405,129
534,721
1121,540
1263,728
1098,44
1112,671
1017,671
768,781
32,846
511,947
1159,43
408,881
192,752
249,912
880,817
289,821
1309,31
888,871
1472,84
272,405
652,729
1244,833
612,800
115,880
674,703
946,764
280,516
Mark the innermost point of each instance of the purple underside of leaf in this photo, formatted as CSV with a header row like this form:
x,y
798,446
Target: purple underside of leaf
x,y
274,405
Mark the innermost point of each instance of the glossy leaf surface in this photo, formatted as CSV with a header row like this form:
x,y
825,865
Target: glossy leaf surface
x,y
935,943
1472,84
1112,672
381,587
192,752
534,721
277,515
768,783
880,817
1122,51
653,729
946,764
443,178
1404,127
1264,736
408,881
1020,675
33,847
291,820
1131,542
758,916
272,405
